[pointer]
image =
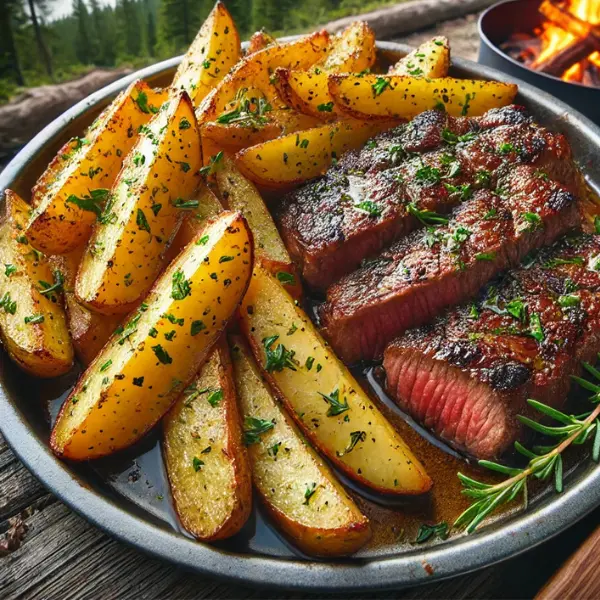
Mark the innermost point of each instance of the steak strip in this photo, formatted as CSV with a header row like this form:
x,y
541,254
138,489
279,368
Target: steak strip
x,y
468,375
432,269
372,197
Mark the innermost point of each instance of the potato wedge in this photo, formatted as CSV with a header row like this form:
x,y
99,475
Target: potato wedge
x,y
296,157
89,330
259,41
254,72
299,491
203,206
352,50
212,54
240,194
398,97
327,403
431,59
152,358
126,250
207,463
84,169
33,326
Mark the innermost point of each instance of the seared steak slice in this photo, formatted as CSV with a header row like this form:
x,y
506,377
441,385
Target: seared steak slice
x,y
468,375
434,268
372,197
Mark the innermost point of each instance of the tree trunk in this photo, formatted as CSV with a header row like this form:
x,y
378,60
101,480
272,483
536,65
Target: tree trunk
x,y
6,28
43,50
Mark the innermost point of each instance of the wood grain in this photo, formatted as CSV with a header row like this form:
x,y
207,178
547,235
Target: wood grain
x,y
578,577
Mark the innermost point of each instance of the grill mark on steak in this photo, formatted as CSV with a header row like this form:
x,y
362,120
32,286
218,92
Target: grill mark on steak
x,y
468,375
428,164
432,269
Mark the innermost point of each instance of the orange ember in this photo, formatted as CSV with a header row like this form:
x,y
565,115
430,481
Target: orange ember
x,y
554,39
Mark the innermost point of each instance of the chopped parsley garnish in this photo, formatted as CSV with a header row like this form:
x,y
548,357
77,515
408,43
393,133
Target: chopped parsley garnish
x,y
223,259
173,319
517,309
597,224
141,221
309,363
335,406
185,167
428,174
197,327
536,330
138,381
534,220
106,365
155,208
427,217
557,262
9,305
139,159
34,319
569,301
380,85
427,532
278,358
369,207
355,437
286,278
309,492
452,138
274,449
202,241
248,113
185,204
327,107
465,109
142,102
212,165
464,190
162,354
181,286
92,203
506,148
254,428
483,178
491,214
184,123
197,464
215,397
485,256
153,332
9,269
48,288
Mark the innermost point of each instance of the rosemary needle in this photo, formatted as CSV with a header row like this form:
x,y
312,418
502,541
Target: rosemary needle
x,y
544,461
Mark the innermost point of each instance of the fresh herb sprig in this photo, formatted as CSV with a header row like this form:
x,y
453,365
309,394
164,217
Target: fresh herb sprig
x,y
544,461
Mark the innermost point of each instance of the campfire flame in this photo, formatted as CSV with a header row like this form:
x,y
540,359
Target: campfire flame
x,y
554,39
567,44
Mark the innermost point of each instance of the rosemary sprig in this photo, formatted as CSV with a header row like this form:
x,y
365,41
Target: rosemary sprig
x,y
544,461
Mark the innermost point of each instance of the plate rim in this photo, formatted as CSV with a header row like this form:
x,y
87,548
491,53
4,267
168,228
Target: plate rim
x,y
427,564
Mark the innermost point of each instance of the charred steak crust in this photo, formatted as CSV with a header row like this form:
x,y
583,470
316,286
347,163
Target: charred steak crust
x,y
468,374
437,267
368,200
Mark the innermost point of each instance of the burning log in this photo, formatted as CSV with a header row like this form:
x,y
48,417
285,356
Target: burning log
x,y
588,40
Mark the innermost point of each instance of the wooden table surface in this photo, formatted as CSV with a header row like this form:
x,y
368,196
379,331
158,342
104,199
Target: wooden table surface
x,y
47,551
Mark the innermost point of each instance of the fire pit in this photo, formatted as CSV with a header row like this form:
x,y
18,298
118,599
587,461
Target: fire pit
x,y
553,45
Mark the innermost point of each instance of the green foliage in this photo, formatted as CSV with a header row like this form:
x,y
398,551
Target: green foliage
x,y
134,32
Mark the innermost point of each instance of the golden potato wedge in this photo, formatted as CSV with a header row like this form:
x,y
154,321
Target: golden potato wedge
x,y
207,463
69,194
326,402
351,50
154,356
307,91
33,326
259,41
233,137
89,330
431,59
212,54
160,173
240,194
399,97
299,491
253,73
203,206
296,157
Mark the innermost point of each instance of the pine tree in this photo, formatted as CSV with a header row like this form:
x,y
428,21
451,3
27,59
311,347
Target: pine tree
x,y
150,29
241,11
130,40
83,50
10,64
179,22
43,51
